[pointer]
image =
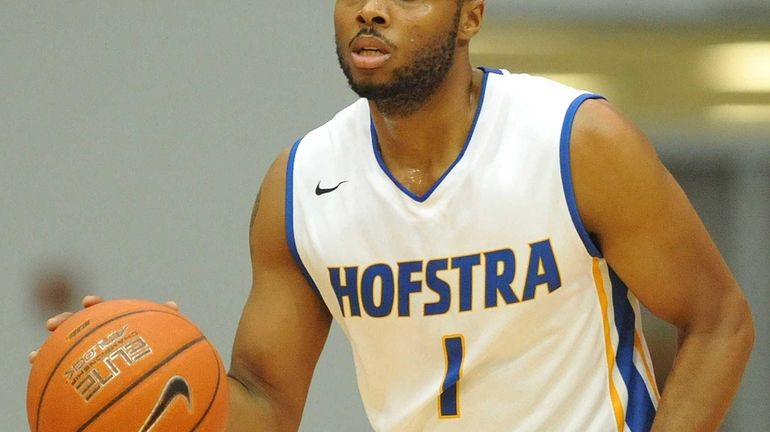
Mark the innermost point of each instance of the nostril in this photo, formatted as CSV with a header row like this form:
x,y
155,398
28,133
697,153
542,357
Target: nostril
x,y
372,14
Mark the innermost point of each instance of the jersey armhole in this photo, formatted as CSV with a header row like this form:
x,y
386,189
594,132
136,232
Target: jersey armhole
x,y
488,70
566,173
289,218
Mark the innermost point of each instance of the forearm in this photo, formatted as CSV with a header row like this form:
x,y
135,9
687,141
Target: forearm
x,y
252,410
705,376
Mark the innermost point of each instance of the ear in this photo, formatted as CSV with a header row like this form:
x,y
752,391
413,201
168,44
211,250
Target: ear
x,y
471,17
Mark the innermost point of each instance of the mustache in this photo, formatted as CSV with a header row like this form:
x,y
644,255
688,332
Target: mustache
x,y
373,32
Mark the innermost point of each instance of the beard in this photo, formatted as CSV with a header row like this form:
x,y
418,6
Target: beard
x,y
412,85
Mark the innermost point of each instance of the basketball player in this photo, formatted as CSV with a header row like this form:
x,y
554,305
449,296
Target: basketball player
x,y
482,239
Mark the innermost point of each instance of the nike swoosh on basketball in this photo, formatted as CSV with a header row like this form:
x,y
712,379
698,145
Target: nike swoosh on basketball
x,y
320,191
176,386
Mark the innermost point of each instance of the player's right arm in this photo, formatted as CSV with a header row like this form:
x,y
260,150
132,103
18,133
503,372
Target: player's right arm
x,y
283,326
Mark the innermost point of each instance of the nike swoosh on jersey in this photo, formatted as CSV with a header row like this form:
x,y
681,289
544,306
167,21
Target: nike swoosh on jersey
x,y
320,191
176,386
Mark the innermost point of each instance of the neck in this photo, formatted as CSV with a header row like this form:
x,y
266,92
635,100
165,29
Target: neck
x,y
430,138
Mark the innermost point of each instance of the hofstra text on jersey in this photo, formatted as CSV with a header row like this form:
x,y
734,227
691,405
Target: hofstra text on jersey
x,y
381,289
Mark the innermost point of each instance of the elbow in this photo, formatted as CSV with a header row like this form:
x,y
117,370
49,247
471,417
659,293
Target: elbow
x,y
728,321
259,405
735,324
744,328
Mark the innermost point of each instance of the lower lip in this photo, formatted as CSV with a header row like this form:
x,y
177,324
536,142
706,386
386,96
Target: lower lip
x,y
369,61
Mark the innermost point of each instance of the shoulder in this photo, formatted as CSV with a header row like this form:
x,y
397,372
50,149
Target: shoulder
x,y
267,217
606,145
351,120
339,144
536,102
535,86
598,126
614,165
271,198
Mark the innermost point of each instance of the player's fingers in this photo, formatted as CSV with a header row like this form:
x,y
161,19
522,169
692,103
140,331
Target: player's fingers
x,y
54,322
91,300
31,356
172,304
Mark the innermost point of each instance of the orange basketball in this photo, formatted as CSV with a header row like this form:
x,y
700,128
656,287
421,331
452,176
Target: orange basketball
x,y
127,365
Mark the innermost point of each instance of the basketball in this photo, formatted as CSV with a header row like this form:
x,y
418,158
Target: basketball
x,y
127,365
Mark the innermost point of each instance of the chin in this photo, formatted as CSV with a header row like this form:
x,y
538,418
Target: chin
x,y
372,77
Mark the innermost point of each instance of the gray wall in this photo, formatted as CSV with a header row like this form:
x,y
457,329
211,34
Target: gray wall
x,y
133,137
727,178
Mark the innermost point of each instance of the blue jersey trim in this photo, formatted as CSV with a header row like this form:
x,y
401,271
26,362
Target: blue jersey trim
x,y
289,217
427,194
640,411
491,70
566,172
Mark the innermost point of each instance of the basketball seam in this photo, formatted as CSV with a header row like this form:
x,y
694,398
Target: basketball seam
x,y
75,345
216,391
146,375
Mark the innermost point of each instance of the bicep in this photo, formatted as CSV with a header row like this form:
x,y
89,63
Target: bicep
x,y
646,227
279,339
284,324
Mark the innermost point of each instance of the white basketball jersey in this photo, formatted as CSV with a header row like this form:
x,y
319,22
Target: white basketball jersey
x,y
482,305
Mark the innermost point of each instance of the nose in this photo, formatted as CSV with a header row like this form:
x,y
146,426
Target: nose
x,y
374,12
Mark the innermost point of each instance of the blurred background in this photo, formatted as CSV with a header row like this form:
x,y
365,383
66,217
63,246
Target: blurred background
x,y
134,136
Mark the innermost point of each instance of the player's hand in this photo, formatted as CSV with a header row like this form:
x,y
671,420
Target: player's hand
x,y
55,321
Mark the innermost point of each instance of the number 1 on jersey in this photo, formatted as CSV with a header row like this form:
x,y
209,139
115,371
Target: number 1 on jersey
x,y
449,399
